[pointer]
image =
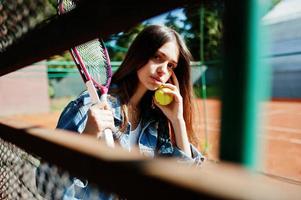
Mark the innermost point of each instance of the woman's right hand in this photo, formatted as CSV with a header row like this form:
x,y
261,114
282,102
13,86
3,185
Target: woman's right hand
x,y
100,117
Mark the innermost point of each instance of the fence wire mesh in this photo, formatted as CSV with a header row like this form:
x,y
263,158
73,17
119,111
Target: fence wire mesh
x,y
26,176
17,17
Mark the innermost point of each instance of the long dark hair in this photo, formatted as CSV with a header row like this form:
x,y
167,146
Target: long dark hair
x,y
142,49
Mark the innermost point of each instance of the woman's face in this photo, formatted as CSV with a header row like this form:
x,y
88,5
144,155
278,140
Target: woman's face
x,y
158,69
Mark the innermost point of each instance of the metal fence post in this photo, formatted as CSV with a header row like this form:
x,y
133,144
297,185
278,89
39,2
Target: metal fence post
x,y
245,81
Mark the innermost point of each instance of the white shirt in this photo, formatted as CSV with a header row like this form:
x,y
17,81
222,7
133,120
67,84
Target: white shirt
x,y
134,135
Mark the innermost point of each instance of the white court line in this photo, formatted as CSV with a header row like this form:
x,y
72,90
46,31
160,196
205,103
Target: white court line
x,y
283,129
271,128
281,138
274,112
281,111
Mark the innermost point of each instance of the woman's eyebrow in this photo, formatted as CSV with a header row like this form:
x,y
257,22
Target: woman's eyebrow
x,y
166,57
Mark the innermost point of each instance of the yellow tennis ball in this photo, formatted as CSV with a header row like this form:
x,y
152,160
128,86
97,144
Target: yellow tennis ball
x,y
162,97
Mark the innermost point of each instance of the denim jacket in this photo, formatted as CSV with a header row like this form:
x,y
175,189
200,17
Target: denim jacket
x,y
151,141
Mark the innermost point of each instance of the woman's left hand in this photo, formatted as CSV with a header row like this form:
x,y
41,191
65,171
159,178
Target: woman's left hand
x,y
174,110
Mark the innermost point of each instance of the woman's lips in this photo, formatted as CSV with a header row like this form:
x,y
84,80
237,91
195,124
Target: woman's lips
x,y
156,80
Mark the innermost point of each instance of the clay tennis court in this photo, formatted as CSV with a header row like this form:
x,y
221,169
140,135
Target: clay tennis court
x,y
281,134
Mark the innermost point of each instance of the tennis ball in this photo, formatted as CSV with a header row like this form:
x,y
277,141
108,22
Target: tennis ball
x,y
162,97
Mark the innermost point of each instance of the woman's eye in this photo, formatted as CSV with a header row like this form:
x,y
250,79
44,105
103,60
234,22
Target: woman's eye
x,y
156,57
171,66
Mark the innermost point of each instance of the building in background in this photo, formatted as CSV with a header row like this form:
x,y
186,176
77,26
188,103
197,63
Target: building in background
x,y
25,91
284,25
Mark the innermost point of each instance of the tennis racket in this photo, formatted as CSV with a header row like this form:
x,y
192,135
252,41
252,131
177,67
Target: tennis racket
x,y
93,63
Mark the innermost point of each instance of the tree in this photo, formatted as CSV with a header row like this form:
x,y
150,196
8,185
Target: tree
x,y
212,34
118,43
173,21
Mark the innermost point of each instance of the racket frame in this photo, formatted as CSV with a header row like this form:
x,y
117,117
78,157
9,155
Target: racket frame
x,y
91,84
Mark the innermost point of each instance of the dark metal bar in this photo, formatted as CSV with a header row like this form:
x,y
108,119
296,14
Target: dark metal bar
x,y
122,173
245,84
89,20
133,176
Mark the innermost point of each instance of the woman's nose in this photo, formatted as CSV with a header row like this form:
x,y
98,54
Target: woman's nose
x,y
162,69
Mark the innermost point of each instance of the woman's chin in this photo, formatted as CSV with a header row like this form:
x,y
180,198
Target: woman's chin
x,y
155,87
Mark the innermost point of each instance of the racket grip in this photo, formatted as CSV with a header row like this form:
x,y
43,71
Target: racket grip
x,y
104,97
107,133
108,137
92,92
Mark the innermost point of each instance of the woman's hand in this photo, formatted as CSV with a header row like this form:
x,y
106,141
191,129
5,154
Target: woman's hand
x,y
100,117
174,110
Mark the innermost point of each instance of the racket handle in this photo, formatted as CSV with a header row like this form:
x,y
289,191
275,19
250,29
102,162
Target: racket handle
x,y
108,137
107,134
92,92
104,98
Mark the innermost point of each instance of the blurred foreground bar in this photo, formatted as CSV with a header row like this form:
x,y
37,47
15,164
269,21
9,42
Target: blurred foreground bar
x,y
131,175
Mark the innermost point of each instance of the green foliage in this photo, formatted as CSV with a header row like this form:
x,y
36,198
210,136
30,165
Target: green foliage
x,y
53,3
174,22
119,43
189,28
212,30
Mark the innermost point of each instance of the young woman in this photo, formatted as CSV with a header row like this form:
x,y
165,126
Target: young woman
x,y
157,57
